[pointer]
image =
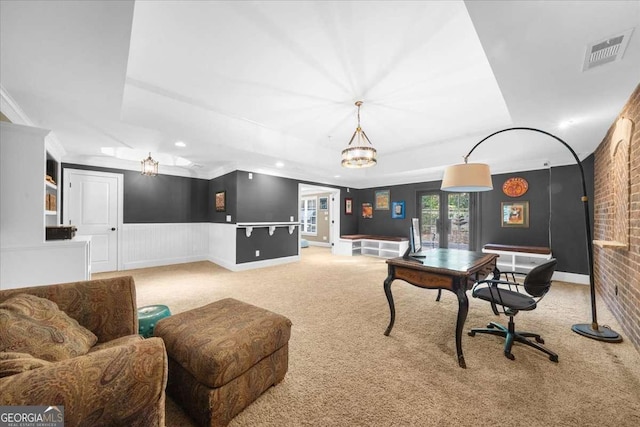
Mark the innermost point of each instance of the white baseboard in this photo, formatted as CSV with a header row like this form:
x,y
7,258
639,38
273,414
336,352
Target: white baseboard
x,y
323,244
581,279
260,264
162,262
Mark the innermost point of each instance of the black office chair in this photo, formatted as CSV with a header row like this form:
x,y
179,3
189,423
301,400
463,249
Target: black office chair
x,y
513,297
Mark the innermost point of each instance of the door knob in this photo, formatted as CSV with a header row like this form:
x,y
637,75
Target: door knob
x,y
113,229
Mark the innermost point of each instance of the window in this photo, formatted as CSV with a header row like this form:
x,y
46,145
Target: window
x,y
308,216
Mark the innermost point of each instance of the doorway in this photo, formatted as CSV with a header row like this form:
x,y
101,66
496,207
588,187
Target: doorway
x,y
319,209
92,202
446,219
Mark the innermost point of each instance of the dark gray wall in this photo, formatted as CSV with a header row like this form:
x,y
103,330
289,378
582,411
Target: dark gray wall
x,y
229,184
266,198
537,234
554,204
159,199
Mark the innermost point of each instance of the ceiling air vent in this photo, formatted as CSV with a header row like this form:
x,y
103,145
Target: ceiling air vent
x,y
605,51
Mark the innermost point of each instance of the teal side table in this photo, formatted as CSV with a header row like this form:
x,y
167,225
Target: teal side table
x,y
149,316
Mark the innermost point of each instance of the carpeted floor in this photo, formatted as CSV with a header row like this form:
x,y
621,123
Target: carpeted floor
x,y
344,372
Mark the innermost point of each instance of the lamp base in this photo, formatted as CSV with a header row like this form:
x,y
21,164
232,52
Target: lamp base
x,y
600,334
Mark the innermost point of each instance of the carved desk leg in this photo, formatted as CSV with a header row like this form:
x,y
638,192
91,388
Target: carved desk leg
x,y
392,308
463,309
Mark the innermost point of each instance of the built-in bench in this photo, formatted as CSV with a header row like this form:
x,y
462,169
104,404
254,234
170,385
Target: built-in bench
x,y
373,245
518,258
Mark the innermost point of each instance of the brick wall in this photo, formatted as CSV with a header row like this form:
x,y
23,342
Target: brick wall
x,y
617,271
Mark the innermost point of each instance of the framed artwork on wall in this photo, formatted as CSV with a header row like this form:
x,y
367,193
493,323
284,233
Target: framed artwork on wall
x,y
382,200
348,206
221,201
515,187
515,214
397,210
367,210
324,203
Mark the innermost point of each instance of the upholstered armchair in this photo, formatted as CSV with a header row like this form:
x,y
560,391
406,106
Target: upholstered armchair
x,y
120,380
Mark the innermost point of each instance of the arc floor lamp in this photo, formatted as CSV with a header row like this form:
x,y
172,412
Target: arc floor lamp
x,y
474,177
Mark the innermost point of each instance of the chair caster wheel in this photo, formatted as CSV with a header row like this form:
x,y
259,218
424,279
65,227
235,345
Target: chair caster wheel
x,y
539,340
509,356
553,358
471,334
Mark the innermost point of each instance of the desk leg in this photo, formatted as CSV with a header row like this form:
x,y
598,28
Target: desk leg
x,y
463,309
392,308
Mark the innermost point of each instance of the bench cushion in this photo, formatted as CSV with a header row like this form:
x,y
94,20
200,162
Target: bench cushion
x,y
220,341
516,248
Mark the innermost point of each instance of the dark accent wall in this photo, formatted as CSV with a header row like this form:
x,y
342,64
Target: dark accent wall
x,y
349,223
537,234
229,184
554,207
159,199
280,244
266,198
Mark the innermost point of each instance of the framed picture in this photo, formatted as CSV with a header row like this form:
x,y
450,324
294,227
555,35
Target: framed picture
x,y
367,210
221,201
382,200
348,206
515,214
324,203
397,210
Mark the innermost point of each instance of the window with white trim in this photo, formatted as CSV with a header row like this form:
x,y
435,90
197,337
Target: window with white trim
x,y
308,216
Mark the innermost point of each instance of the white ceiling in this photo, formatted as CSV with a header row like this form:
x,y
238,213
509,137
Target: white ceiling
x,y
249,84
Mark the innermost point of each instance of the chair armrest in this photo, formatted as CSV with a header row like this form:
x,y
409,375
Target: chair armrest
x,y
121,385
106,307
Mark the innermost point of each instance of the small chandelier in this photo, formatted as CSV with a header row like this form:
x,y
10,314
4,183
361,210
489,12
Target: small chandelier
x,y
149,166
360,152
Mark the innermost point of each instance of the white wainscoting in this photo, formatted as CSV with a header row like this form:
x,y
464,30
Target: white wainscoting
x,y
222,245
152,245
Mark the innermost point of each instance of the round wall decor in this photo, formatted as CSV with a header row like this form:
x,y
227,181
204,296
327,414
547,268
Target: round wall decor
x,y
515,187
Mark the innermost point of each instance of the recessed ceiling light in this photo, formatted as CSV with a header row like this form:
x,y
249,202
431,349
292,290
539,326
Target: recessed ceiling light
x,y
567,123
180,144
279,164
336,176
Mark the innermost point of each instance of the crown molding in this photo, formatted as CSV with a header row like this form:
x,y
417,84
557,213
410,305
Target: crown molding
x,y
13,112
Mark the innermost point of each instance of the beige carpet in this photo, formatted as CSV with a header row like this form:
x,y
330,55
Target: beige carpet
x,y
344,372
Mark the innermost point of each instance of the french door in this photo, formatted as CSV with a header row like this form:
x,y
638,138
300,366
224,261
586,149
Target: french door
x,y
445,220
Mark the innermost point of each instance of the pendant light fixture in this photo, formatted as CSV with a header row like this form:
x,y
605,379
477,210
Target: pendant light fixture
x,y
149,166
360,152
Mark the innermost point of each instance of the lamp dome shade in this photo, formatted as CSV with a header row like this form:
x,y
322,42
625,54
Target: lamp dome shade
x,y
467,178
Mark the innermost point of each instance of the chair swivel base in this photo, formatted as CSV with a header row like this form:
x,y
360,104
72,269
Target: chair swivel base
x,y
511,335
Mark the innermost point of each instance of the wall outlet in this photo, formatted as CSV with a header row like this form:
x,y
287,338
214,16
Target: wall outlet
x,y
291,219
324,237
250,175
228,218
257,253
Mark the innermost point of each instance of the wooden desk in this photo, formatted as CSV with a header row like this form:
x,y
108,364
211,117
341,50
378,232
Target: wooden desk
x,y
451,269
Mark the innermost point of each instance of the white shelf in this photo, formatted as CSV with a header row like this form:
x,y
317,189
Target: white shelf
x,y
50,213
377,248
518,261
249,226
50,185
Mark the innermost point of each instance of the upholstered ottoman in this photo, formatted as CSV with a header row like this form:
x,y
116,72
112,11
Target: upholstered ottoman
x,y
222,356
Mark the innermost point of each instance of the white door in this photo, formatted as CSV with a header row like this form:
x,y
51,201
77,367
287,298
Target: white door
x,y
92,203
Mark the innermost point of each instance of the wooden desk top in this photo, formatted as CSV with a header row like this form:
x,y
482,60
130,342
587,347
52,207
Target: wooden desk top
x,y
452,262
